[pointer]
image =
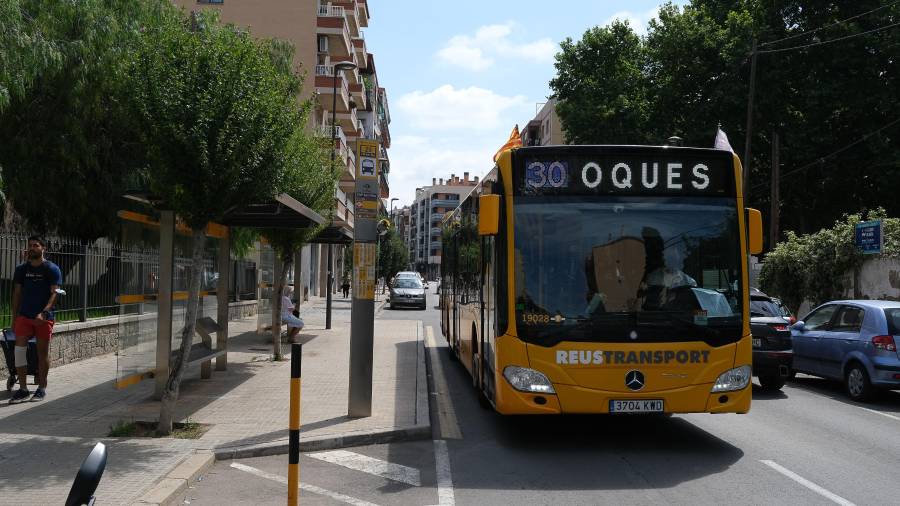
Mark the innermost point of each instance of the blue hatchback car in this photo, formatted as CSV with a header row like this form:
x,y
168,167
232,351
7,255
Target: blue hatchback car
x,y
852,341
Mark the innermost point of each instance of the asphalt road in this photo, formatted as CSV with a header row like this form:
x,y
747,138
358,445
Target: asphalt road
x,y
808,444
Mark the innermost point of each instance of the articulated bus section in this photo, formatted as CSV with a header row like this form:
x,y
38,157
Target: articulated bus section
x,y
531,349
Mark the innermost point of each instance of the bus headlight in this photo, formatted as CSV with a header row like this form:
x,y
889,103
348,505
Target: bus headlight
x,y
733,379
528,380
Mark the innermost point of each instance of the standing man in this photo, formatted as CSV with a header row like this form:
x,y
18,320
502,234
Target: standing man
x,y
34,295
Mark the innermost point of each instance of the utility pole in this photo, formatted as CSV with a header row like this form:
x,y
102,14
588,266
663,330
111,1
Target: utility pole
x,y
776,191
747,152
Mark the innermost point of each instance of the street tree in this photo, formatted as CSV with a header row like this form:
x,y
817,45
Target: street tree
x,y
310,178
393,255
826,81
216,115
68,138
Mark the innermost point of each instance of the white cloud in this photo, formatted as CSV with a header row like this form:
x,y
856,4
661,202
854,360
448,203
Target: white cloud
x,y
637,20
478,52
449,108
414,163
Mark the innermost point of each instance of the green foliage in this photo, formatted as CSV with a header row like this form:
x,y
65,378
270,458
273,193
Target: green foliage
x,y
813,266
123,429
393,256
242,241
691,70
601,87
216,114
68,138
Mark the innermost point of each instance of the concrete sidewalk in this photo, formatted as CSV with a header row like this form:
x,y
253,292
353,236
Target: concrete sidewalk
x,y
42,444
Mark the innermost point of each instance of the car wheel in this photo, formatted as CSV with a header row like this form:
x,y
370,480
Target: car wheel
x,y
391,305
771,383
859,388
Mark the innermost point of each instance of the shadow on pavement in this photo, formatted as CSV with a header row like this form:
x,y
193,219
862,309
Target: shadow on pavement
x,y
760,394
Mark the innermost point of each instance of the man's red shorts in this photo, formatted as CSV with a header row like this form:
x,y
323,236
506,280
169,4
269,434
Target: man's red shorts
x,y
28,327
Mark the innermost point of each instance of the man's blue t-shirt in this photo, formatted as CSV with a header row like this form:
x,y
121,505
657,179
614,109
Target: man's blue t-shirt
x,y
36,283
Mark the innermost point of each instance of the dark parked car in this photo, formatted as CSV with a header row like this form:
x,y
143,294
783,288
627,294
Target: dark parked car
x,y
407,292
770,324
853,341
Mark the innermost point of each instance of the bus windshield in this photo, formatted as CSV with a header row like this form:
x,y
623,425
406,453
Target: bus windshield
x,y
627,269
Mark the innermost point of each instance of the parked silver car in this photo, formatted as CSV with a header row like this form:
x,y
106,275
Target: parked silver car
x,y
407,291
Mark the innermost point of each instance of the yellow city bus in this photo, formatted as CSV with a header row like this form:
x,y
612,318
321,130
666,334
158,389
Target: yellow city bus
x,y
603,279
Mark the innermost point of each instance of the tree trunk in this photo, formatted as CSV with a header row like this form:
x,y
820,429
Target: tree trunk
x,y
280,282
176,372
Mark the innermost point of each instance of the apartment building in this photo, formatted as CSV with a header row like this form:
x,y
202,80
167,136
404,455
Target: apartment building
x,y
323,34
545,129
425,214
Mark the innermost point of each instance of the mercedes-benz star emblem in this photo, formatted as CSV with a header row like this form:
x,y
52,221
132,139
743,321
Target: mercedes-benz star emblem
x,y
634,380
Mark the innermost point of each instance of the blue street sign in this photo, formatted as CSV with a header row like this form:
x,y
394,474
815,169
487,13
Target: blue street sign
x,y
869,238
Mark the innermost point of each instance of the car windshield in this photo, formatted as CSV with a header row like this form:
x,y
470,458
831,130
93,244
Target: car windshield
x,y
407,283
766,307
612,268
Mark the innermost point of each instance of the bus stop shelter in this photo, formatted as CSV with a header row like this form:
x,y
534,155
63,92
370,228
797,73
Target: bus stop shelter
x,y
282,212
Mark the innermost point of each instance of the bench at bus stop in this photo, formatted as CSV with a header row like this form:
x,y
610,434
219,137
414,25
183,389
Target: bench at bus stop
x,y
203,352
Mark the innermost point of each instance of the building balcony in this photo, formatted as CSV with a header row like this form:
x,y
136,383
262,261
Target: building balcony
x,y
358,95
343,215
332,21
437,217
351,12
362,12
445,203
359,47
340,141
347,181
325,86
350,123
436,231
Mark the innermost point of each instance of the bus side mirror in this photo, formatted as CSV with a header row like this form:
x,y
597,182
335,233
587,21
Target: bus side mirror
x,y
754,231
488,214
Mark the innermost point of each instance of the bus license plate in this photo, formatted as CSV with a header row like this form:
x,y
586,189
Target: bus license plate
x,y
757,342
639,406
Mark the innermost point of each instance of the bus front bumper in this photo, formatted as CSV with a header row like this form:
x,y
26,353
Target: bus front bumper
x,y
572,399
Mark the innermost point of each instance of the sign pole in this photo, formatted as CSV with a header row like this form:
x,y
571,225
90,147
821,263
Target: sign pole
x,y
362,313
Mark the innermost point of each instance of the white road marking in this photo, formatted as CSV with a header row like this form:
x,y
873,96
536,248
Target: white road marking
x,y
808,484
444,477
880,413
303,486
447,421
371,465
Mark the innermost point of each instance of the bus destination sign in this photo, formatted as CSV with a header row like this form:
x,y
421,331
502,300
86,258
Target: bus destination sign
x,y
627,175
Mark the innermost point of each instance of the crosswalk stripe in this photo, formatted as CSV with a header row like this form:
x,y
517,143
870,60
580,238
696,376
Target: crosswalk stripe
x,y
366,464
303,486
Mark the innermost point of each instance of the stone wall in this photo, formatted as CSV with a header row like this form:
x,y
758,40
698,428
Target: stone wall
x,y
80,340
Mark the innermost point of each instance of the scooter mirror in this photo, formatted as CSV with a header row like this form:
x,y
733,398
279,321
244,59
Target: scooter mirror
x,y
88,477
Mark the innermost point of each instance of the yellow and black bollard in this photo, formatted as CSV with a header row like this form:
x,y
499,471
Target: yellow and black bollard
x,y
294,428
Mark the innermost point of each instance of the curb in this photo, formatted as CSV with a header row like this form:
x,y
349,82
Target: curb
x,y
167,490
416,433
420,431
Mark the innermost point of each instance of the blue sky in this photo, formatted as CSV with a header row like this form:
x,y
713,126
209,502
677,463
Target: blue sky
x,y
459,75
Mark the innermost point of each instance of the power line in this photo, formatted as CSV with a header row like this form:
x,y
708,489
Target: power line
x,y
829,41
829,155
810,32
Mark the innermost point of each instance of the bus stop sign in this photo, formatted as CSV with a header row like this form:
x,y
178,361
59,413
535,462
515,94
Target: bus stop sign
x,y
869,239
